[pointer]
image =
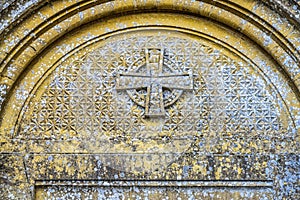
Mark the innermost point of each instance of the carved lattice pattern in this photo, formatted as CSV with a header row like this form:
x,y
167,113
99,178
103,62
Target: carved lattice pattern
x,y
230,99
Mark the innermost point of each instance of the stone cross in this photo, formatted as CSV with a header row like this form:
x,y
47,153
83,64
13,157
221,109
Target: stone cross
x,y
154,80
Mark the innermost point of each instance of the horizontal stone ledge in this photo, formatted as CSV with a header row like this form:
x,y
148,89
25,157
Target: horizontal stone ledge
x,y
159,183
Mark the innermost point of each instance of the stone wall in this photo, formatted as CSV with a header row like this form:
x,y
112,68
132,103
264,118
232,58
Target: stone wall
x,y
149,99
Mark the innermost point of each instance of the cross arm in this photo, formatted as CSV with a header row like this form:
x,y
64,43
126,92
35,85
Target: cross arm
x,y
132,81
182,81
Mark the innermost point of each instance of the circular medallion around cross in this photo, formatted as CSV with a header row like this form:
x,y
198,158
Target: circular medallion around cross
x,y
154,85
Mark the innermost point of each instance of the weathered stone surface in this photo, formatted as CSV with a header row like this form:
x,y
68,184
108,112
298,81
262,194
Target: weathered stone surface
x,y
157,100
155,190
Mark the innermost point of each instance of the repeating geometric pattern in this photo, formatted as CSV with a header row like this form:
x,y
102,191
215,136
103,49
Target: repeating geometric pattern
x,y
229,98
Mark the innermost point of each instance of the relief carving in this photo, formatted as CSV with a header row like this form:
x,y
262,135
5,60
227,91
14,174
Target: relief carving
x,y
161,85
154,104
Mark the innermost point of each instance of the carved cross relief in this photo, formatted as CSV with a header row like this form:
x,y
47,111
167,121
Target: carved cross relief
x,y
155,77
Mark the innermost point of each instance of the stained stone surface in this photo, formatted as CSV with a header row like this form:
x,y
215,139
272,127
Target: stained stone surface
x,y
165,100
154,190
230,112
230,102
